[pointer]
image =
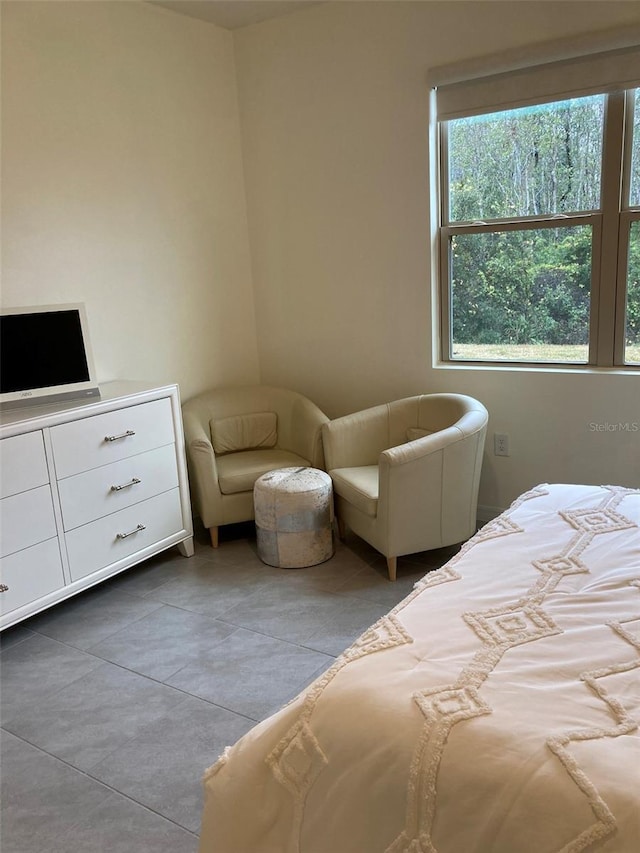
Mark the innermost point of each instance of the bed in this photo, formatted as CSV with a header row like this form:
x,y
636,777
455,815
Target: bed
x,y
494,710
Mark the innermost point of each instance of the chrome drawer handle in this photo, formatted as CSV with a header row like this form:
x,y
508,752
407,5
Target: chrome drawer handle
x,y
4,587
134,482
118,437
131,532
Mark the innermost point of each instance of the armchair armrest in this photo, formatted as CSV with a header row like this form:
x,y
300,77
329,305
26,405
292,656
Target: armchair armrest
x,y
203,470
432,482
414,451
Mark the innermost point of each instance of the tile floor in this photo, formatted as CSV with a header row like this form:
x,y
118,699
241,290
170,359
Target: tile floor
x,y
114,703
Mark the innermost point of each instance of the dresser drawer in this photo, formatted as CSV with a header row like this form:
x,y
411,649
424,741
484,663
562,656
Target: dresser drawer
x,y
103,542
26,519
101,439
30,574
23,465
110,488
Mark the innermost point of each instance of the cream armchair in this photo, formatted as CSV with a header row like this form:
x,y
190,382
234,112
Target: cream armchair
x,y
406,474
234,435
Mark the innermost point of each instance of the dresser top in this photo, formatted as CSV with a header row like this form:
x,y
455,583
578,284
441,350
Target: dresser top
x,y
112,396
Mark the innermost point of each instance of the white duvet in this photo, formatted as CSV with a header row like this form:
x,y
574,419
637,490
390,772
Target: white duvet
x,y
495,710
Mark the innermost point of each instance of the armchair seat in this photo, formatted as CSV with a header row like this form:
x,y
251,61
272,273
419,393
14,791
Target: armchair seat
x,y
358,486
406,474
235,435
238,472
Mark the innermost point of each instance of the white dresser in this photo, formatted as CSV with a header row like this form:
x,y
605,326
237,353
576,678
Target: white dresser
x,y
88,489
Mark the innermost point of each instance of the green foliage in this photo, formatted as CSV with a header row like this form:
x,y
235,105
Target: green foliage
x,y
522,287
527,162
633,287
529,286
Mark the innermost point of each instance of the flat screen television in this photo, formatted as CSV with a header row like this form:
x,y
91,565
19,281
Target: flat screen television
x,y
45,355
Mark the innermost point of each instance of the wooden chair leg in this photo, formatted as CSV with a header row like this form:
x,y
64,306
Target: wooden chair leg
x,y
341,528
213,533
392,563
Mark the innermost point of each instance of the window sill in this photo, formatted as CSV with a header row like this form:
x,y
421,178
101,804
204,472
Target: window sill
x,y
520,367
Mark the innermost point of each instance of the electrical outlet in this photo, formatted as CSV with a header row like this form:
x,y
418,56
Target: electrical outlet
x,y
500,444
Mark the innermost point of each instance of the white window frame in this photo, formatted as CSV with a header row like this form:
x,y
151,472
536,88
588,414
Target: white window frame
x,y
611,224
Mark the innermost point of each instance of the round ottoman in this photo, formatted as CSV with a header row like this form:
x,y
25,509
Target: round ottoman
x,y
294,517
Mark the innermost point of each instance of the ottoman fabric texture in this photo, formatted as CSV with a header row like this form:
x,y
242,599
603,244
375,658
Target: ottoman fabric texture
x,y
294,517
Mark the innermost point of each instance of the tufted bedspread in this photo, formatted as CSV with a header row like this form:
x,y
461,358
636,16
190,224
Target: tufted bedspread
x,y
494,710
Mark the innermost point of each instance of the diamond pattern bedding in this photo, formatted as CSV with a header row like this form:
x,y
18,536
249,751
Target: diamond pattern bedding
x,y
494,710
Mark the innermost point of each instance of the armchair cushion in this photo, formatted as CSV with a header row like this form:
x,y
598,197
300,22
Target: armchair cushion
x,y
238,472
244,432
359,486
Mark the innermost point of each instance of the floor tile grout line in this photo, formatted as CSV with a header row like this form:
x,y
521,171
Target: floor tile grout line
x,y
303,645
145,806
15,642
181,609
338,593
54,692
109,788
299,644
133,621
124,627
102,661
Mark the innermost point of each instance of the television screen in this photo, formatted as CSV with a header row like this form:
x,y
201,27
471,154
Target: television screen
x,y
41,350
44,352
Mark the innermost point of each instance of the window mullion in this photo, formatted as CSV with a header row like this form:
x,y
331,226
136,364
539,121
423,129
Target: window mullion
x,y
605,350
444,260
444,173
624,245
445,296
521,224
627,218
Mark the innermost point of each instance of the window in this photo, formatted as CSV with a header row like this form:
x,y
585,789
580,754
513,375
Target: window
x,y
540,215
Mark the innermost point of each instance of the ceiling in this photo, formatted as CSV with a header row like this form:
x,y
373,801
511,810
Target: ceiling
x,y
232,14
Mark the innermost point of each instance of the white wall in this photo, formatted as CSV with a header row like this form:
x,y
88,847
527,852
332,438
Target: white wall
x,y
122,186
335,126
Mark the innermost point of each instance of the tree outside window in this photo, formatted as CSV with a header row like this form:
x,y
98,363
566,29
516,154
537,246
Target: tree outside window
x,y
526,199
